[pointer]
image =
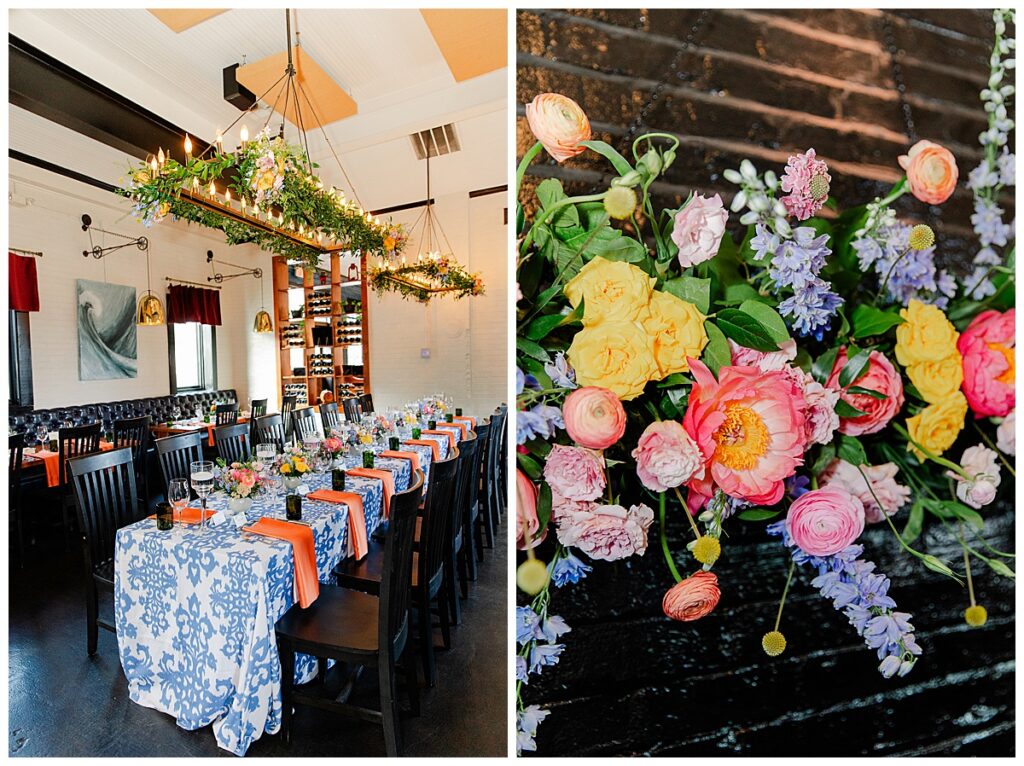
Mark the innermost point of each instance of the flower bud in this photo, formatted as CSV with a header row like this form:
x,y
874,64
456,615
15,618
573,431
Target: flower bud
x,y
620,202
976,616
532,576
773,643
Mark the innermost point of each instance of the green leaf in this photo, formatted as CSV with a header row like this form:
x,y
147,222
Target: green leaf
x,y
951,509
673,380
539,328
745,330
734,295
846,410
866,392
825,456
769,319
856,366
621,165
532,349
999,567
852,451
529,466
549,192
536,369
915,523
543,507
822,367
758,514
606,242
868,321
692,290
716,354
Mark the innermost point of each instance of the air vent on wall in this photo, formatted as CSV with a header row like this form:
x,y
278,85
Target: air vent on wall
x,y
435,142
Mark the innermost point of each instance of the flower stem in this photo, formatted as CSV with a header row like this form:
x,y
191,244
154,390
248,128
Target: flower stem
x,y
525,163
664,539
686,510
549,213
931,455
994,448
785,590
888,274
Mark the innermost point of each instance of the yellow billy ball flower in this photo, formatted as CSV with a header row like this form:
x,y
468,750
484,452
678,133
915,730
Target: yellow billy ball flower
x,y
976,615
707,549
921,237
773,643
532,576
620,202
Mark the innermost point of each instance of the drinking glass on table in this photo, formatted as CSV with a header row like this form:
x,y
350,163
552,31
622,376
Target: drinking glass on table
x,y
178,495
42,433
266,452
201,473
176,413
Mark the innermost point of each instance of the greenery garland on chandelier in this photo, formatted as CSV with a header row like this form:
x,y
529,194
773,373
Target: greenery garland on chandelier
x,y
430,276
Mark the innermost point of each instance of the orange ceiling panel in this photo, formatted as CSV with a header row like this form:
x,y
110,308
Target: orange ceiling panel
x,y
180,19
473,42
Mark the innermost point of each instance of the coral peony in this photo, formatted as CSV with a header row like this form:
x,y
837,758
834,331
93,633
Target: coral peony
x,y
749,427
987,347
931,172
666,456
559,123
574,472
594,417
880,376
692,598
807,181
698,229
763,360
823,522
607,532
526,513
891,496
1006,439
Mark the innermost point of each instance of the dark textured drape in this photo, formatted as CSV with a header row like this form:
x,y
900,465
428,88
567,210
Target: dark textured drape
x,y
23,286
192,304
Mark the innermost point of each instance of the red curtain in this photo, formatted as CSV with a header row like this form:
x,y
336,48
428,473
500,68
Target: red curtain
x,y
192,304
23,287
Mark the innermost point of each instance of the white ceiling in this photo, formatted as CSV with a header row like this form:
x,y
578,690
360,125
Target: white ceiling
x,y
386,60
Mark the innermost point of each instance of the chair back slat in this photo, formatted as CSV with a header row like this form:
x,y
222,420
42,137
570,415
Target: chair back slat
x,y
176,453
74,442
269,428
232,442
257,408
329,416
461,513
435,534
287,407
396,575
366,403
105,499
351,408
227,414
304,423
133,433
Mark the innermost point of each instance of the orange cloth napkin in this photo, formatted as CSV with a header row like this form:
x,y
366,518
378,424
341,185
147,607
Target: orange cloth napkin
x,y
209,433
386,478
356,516
463,428
449,434
307,583
412,457
51,461
188,515
434,446
467,419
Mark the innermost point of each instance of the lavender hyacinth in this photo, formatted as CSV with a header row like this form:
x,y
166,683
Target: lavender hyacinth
x,y
863,596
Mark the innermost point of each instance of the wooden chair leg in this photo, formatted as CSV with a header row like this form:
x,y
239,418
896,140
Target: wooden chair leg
x,y
389,709
412,681
463,572
443,614
453,598
287,687
92,613
426,638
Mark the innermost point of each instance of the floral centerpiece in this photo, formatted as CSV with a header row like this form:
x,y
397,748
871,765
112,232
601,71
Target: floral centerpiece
x,y
333,446
293,465
808,375
241,480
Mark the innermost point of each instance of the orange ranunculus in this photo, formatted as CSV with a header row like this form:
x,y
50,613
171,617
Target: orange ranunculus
x,y
559,124
693,598
931,172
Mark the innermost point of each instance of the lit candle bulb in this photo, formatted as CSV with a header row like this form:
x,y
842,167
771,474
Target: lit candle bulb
x,y
213,189
220,142
243,205
243,134
227,196
188,148
160,157
195,185
153,169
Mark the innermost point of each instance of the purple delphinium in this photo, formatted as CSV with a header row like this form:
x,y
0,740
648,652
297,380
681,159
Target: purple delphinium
x,y
527,721
561,372
539,422
568,570
863,596
907,273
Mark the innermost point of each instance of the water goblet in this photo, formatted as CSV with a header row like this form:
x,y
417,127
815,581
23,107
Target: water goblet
x,y
178,495
201,473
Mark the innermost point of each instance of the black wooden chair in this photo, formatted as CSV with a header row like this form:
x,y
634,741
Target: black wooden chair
x,y
458,564
257,408
134,433
227,414
351,408
16,454
304,423
105,496
484,530
502,461
329,416
177,453
360,629
269,428
287,407
492,472
366,403
433,540
469,552
71,443
232,442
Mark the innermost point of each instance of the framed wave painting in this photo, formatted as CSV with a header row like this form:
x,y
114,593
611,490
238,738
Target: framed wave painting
x,y
107,345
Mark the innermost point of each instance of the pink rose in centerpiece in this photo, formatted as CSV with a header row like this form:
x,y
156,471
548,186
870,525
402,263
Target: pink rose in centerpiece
x,y
982,465
594,417
890,494
880,376
825,521
698,229
526,513
987,347
666,456
574,472
692,598
607,532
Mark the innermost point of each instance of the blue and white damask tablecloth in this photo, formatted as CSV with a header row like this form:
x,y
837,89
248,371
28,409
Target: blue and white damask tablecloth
x,y
195,609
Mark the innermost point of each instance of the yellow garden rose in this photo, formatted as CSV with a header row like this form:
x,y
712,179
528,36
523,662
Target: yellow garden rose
x,y
937,381
264,180
611,291
937,425
925,335
613,355
676,330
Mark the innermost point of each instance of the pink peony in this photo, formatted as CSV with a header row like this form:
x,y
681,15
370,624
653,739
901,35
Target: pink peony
x,y
987,348
692,598
1006,440
821,420
666,456
807,181
823,522
574,472
890,494
750,428
526,513
594,417
607,532
880,376
563,506
982,464
698,229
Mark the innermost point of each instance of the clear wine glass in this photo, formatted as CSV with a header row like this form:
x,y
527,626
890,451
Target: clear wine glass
x,y
178,495
176,413
201,473
42,433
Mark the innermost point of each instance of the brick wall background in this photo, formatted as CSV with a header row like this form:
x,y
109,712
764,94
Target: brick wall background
x,y
763,84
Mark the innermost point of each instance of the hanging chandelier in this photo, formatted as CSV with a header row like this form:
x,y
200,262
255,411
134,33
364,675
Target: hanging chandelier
x,y
265,191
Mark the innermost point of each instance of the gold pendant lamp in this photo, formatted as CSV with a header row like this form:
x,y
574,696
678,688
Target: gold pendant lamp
x,y
263,321
151,310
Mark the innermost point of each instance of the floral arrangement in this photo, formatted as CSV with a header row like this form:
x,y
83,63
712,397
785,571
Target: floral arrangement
x,y
241,479
294,462
427,277
333,446
271,182
818,374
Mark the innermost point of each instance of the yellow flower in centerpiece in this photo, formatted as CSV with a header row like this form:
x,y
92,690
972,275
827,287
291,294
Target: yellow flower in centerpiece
x,y
285,468
264,180
925,335
937,425
389,243
613,355
366,438
300,465
676,329
937,381
611,291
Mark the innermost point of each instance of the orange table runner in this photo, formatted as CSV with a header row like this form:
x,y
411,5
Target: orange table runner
x,y
463,428
51,461
449,434
356,516
307,583
435,448
386,478
412,457
467,419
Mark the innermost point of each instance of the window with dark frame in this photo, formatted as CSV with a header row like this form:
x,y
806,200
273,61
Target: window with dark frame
x,y
192,357
19,361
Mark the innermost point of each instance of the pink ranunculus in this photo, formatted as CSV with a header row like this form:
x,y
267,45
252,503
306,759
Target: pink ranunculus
x,y
526,513
763,360
890,494
692,598
666,456
987,347
807,181
749,426
594,417
931,172
607,532
825,521
559,123
698,229
1006,439
880,376
574,472
982,464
